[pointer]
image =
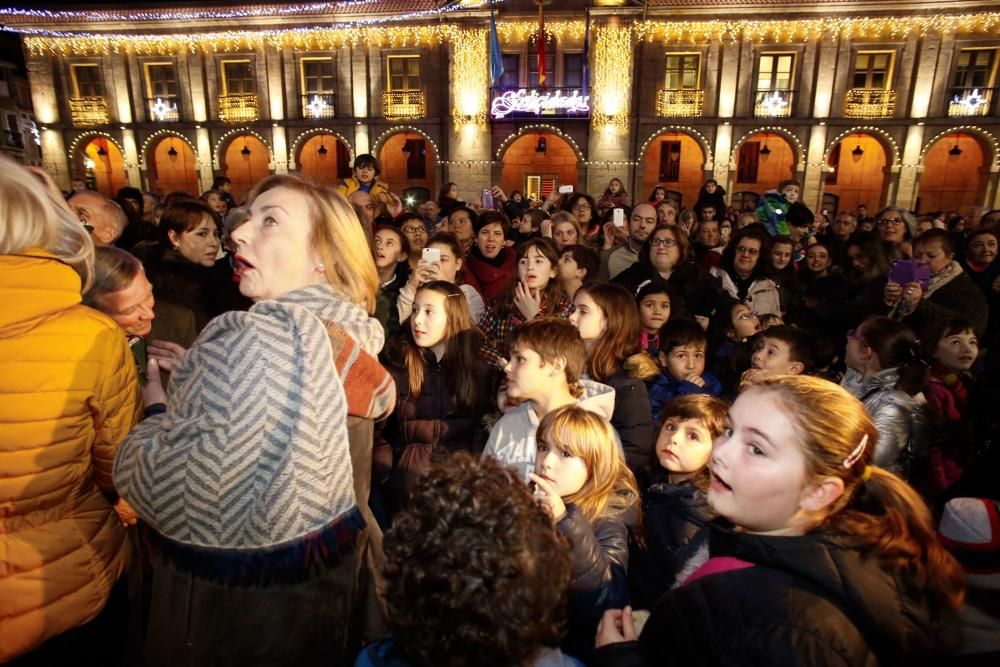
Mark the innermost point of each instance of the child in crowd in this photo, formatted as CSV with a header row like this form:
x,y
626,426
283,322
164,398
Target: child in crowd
x,y
442,389
547,360
675,507
578,266
475,574
829,559
781,350
582,481
614,196
391,250
773,207
654,301
731,331
448,268
536,293
365,178
682,357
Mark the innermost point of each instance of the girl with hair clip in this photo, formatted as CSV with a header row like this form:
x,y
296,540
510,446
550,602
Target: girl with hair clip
x,y
582,481
655,300
535,293
442,389
820,556
608,322
886,373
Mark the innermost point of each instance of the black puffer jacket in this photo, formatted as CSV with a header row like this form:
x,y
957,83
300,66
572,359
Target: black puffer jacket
x,y
631,417
805,601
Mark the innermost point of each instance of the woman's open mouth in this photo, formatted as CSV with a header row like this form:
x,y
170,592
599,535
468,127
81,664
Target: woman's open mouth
x,y
718,484
243,265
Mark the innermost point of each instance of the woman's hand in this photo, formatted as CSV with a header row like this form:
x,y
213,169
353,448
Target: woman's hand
x,y
912,294
167,354
393,204
126,515
153,392
498,194
892,293
424,273
613,235
547,498
526,302
616,626
546,228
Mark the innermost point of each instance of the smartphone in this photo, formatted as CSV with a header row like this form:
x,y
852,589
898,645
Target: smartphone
x,y
431,255
618,217
565,189
138,347
907,271
487,198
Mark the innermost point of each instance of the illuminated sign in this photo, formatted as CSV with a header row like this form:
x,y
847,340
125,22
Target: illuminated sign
x,y
531,103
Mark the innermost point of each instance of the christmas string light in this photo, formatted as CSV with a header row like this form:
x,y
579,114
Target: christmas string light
x,y
471,74
139,15
612,77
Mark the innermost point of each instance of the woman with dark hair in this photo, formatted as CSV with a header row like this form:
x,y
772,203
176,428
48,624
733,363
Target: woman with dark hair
x,y
982,264
582,207
714,195
490,265
866,277
462,223
448,198
745,272
658,194
896,227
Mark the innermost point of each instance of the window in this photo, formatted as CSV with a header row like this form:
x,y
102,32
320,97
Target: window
x,y
540,186
317,75
161,80
831,176
404,72
572,70
746,169
550,61
775,71
238,78
975,68
683,71
87,80
511,71
670,162
872,70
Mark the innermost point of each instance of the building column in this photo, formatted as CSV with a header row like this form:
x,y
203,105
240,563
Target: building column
x,y
723,146
54,158
812,185
131,159
909,172
279,144
206,160
359,94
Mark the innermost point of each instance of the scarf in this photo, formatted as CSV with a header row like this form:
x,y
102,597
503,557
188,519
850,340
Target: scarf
x,y
942,278
252,453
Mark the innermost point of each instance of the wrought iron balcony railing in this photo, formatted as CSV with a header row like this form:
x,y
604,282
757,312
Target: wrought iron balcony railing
x,y
402,104
163,109
318,105
87,111
678,103
238,108
870,103
13,139
770,103
971,101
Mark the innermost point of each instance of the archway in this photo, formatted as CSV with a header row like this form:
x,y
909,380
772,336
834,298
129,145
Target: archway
x,y
102,165
324,158
170,166
538,162
407,160
245,163
676,161
764,160
860,164
955,173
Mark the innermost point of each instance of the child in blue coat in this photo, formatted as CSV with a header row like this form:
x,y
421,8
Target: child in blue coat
x,y
682,358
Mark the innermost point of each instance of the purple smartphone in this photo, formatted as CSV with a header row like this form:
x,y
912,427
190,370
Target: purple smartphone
x,y
907,271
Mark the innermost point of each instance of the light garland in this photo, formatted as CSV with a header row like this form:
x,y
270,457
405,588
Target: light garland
x,y
770,129
612,77
515,32
870,130
967,129
690,131
138,15
538,129
471,76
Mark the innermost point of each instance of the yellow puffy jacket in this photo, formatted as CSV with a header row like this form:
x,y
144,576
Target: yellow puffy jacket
x,y
349,186
68,397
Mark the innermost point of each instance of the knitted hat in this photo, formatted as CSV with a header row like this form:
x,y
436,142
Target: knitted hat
x,y
970,530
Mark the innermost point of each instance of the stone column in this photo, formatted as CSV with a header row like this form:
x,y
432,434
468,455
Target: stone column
x,y
44,99
909,172
279,144
131,158
206,159
812,186
359,91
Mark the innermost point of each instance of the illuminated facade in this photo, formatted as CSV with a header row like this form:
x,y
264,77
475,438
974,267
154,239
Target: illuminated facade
x,y
863,102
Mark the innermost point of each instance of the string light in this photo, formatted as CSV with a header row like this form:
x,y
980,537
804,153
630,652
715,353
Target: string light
x,y
471,71
612,77
138,15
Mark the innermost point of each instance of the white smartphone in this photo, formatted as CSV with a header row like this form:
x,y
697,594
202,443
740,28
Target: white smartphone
x,y
565,189
618,217
431,255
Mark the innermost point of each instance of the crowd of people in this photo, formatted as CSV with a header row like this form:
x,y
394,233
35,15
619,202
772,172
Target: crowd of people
x,y
322,425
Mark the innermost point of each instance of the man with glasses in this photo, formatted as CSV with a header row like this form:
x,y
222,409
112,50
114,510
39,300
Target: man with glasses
x,y
641,225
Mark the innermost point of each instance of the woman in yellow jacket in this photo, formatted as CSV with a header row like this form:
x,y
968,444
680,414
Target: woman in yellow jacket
x,y
68,397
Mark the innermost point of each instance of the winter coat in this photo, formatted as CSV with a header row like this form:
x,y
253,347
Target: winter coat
x,y
68,397
763,296
349,186
206,291
609,201
898,417
497,328
667,387
699,293
717,200
959,297
491,278
772,213
381,654
512,440
803,600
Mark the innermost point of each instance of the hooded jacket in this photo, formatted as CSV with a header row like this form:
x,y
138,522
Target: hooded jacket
x,y
68,397
803,600
898,416
512,440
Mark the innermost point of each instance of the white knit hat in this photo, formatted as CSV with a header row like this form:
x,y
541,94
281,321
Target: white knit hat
x,y
970,530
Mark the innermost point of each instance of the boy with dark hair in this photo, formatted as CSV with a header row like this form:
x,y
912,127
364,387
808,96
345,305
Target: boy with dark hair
x,y
365,179
547,359
774,205
578,266
682,354
782,350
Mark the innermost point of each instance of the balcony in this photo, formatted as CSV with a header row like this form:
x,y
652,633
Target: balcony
x,y
679,103
971,101
870,103
238,108
770,103
88,111
163,109
13,139
403,104
317,105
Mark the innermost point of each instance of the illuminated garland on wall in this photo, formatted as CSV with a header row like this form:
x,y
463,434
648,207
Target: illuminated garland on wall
x,y
612,76
138,15
516,32
471,76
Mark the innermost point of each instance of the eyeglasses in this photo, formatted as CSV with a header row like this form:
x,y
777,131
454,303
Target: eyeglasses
x,y
746,315
582,207
743,250
414,230
668,243
886,223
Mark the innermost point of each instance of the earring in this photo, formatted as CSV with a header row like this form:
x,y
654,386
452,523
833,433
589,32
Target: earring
x,y
321,268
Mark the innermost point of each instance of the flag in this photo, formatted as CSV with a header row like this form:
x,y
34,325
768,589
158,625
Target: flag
x,y
496,55
541,48
586,56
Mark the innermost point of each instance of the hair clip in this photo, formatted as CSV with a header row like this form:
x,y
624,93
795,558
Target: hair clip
x,y
854,456
641,285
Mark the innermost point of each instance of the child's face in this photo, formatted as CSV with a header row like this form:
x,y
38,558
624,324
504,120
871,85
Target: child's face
x,y
567,473
587,317
568,267
429,321
758,468
683,446
388,249
774,356
527,377
654,311
818,260
957,352
745,322
365,174
535,270
683,361
790,193
781,255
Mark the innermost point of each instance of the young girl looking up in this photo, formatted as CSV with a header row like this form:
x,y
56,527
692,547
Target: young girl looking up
x,y
582,481
675,508
824,558
448,269
608,323
442,389
614,197
390,249
535,293
654,300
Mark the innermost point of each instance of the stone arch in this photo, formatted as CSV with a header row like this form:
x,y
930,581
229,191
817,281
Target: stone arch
x,y
702,140
160,135
798,149
538,128
396,129
989,141
225,139
311,132
888,142
86,136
